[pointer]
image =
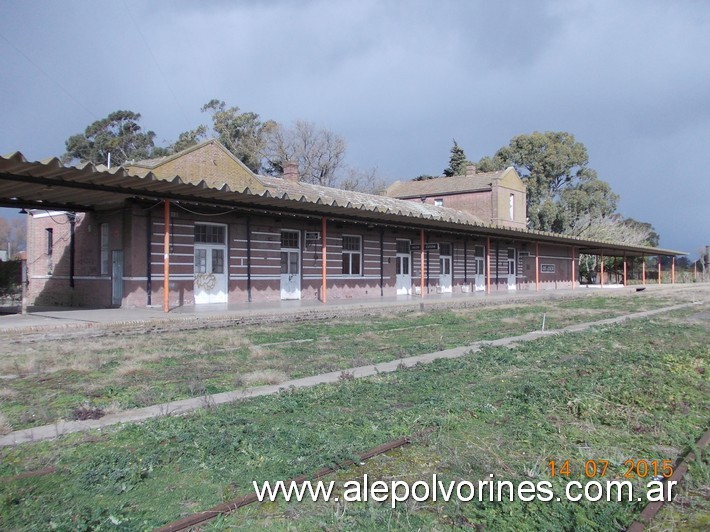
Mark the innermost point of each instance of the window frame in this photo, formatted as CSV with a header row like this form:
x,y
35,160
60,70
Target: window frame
x,y
347,265
49,232
210,229
104,248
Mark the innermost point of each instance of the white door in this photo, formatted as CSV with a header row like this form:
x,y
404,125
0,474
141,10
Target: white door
x,y
290,264
403,261
480,276
445,268
511,269
210,274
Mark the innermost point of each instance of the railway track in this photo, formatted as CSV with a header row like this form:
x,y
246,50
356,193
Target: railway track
x,y
200,518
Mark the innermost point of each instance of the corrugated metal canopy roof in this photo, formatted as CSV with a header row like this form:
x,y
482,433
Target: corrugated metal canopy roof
x,y
51,185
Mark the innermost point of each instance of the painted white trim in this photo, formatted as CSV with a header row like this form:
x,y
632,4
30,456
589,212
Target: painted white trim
x,y
47,214
173,224
76,277
160,276
254,277
260,242
551,257
344,277
261,277
173,254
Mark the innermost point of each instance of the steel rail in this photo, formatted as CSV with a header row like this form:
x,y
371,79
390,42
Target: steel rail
x,y
225,508
649,513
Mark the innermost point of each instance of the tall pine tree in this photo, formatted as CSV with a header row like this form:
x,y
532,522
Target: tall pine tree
x,y
457,161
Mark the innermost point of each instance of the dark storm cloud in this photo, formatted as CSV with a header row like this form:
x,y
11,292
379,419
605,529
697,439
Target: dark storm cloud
x,y
398,79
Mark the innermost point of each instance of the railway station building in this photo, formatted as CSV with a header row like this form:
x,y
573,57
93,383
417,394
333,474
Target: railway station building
x,y
198,227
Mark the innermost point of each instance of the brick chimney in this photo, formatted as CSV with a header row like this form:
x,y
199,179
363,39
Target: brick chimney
x,y
291,171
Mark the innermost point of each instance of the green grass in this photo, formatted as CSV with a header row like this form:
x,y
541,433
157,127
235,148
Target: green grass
x,y
636,391
50,379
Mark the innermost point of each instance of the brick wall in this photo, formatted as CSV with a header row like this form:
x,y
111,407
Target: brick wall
x,y
138,232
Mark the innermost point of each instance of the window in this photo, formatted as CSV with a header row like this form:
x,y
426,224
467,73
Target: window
x,y
50,241
289,262
352,253
403,246
201,260
444,249
402,265
290,254
511,261
512,207
217,260
50,249
289,239
480,255
209,234
439,202
103,233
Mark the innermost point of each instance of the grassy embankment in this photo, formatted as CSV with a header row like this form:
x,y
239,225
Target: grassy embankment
x,y
633,391
42,382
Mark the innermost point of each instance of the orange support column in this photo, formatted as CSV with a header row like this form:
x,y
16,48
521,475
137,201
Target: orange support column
x,y
659,269
324,263
673,271
643,270
421,259
537,266
625,268
166,259
602,270
488,265
573,272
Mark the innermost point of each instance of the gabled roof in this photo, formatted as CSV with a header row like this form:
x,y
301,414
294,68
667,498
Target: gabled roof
x,y
52,185
152,164
440,186
207,161
282,188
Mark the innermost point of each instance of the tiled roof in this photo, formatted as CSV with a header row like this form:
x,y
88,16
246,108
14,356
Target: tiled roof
x,y
51,185
151,164
443,185
285,189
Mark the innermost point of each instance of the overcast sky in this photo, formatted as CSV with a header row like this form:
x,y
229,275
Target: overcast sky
x,y
398,79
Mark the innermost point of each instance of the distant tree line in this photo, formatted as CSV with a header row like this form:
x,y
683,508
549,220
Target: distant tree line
x,y
564,194
263,146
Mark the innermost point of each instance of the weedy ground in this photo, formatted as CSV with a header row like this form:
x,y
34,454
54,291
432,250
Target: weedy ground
x,y
42,382
638,390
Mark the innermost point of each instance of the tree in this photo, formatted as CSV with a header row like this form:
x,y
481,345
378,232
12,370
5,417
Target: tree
x,y
318,152
243,134
612,228
13,235
362,181
583,203
560,185
616,228
119,134
18,234
186,139
457,161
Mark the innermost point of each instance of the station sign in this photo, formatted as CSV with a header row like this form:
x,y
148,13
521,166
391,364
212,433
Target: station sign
x,y
429,246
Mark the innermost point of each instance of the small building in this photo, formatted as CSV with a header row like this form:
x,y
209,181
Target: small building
x,y
199,228
496,197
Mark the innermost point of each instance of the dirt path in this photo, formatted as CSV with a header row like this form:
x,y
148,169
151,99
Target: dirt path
x,y
48,432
